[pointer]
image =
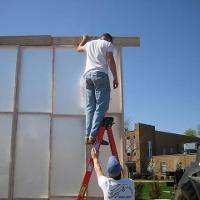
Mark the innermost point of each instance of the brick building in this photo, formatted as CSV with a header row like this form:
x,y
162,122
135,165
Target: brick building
x,y
166,149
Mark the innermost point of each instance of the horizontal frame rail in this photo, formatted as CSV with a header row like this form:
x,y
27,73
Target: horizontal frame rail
x,y
48,40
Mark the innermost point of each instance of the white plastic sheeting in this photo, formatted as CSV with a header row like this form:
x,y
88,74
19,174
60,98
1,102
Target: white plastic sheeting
x,y
8,58
5,142
50,154
32,156
68,155
35,80
69,67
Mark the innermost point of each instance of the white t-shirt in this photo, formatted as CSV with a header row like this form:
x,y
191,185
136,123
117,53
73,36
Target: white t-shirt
x,y
122,189
96,55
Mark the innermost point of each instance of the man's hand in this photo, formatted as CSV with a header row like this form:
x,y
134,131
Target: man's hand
x,y
85,39
115,83
94,153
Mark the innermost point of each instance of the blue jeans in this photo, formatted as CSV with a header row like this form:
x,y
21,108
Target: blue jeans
x,y
97,100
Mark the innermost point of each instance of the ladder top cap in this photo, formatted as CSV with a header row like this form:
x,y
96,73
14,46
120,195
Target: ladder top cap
x,y
107,121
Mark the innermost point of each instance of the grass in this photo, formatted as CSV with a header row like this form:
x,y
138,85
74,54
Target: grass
x,y
166,191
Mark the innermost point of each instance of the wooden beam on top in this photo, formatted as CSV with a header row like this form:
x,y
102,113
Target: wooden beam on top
x,y
32,40
118,41
127,41
47,40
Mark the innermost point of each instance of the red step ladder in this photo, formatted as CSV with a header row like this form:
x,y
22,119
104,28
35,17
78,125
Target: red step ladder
x,y
105,125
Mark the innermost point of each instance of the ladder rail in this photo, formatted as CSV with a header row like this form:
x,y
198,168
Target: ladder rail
x,y
90,165
106,125
112,142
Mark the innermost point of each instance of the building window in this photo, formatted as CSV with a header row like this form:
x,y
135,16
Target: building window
x,y
149,149
163,168
164,151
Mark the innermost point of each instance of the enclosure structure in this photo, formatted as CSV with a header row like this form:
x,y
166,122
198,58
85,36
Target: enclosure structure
x,y
42,120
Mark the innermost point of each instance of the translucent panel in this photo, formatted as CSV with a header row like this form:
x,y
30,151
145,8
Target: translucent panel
x,y
116,94
32,156
8,58
70,91
36,80
69,68
68,156
5,141
105,152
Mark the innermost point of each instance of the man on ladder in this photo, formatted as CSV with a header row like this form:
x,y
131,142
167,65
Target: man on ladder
x,y
99,57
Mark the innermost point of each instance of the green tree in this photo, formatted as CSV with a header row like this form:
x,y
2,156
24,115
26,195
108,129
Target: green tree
x,y
126,125
198,130
191,132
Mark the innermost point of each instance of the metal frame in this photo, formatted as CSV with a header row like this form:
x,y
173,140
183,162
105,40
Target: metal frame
x,y
14,126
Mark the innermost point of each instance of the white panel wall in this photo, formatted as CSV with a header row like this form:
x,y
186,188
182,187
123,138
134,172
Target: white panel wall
x,y
115,105
50,122
8,58
36,80
69,68
32,156
68,155
5,142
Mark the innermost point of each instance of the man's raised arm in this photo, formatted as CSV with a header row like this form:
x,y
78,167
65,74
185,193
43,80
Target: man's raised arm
x,y
85,39
97,166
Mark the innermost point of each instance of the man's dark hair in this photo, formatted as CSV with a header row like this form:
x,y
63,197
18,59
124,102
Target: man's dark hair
x,y
107,37
117,177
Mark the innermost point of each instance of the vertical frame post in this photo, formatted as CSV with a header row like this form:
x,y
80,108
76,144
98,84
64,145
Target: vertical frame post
x,y
14,126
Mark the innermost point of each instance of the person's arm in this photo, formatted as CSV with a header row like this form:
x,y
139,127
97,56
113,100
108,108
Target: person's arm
x,y
84,40
112,65
97,166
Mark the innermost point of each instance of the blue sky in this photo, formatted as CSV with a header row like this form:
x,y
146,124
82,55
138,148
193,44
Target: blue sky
x,y
161,78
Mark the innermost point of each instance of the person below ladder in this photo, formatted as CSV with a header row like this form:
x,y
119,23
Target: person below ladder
x,y
114,187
